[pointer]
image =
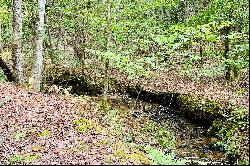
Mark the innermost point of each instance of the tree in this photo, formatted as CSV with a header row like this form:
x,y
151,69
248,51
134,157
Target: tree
x,y
38,64
106,59
17,36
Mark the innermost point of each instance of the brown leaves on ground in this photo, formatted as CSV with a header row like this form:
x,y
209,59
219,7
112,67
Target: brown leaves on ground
x,y
170,81
38,128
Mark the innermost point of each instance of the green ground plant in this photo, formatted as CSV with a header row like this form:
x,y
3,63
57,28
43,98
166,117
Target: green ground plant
x,y
159,158
27,159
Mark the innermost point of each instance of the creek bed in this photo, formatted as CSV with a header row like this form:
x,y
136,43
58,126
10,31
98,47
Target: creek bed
x,y
190,132
190,140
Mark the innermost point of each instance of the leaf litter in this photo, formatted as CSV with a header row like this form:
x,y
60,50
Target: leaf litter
x,y
39,128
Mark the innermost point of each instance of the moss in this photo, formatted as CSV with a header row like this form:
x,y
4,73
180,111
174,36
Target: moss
x,y
198,103
135,156
200,110
45,133
21,159
120,153
139,157
83,125
103,142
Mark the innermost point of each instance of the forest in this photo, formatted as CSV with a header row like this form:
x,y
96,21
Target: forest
x,y
124,82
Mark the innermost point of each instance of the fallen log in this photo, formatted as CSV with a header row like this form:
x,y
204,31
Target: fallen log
x,y
5,68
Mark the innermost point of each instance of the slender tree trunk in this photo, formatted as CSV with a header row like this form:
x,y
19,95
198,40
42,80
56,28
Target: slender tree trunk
x,y
38,64
163,12
106,79
33,26
59,38
50,46
17,41
116,11
0,34
230,72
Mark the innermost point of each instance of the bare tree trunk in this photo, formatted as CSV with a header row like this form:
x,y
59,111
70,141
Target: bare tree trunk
x,y
59,38
0,34
116,19
38,64
106,79
17,41
116,10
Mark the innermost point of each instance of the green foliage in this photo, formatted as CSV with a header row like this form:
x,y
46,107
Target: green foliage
x,y
112,116
159,158
18,136
16,158
5,18
27,159
198,34
163,136
125,63
2,76
114,122
188,36
140,30
233,132
104,106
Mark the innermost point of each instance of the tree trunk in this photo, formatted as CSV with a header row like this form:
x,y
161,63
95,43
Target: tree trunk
x,y
106,79
231,71
116,10
17,41
38,64
226,41
0,34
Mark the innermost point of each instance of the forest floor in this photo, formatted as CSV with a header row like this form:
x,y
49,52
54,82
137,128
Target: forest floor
x,y
49,129
216,89
38,128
